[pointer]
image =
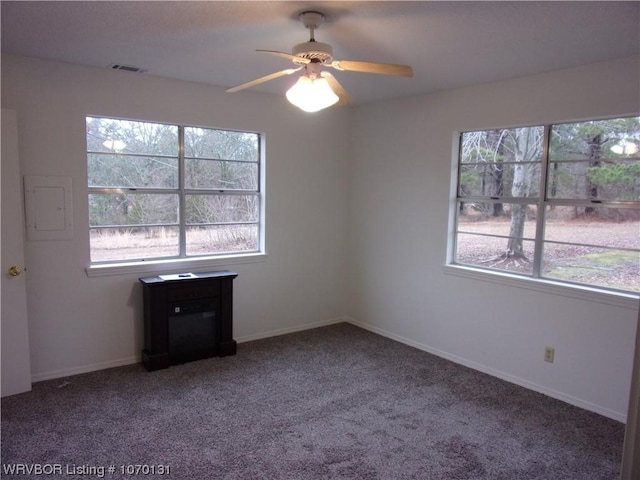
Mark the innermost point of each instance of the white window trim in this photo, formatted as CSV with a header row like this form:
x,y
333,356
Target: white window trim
x,y
182,264
177,265
618,299
629,300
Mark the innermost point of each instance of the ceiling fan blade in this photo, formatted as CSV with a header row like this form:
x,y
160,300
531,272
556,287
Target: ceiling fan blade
x,y
370,67
266,78
337,88
295,58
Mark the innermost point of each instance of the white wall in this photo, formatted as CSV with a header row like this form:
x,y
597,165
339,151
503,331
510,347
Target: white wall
x,y
363,192
401,154
79,323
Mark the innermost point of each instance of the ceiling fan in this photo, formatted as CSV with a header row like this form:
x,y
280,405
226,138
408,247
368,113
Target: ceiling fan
x,y
317,88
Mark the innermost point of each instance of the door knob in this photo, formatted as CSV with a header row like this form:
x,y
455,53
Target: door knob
x,y
14,270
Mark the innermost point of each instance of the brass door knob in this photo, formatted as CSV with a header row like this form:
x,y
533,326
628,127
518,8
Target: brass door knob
x,y
14,270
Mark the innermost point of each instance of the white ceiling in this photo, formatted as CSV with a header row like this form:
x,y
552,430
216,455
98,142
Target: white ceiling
x,y
448,44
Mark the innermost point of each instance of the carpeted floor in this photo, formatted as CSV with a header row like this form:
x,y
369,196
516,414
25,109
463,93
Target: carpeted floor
x,y
333,402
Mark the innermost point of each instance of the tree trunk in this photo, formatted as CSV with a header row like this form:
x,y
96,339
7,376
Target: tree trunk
x,y
516,231
524,141
595,152
498,181
498,185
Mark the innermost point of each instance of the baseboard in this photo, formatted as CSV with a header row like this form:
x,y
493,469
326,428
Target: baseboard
x,y
284,331
67,372
40,377
621,417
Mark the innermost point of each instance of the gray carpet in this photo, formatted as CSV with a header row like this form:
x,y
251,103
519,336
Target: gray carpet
x,y
333,402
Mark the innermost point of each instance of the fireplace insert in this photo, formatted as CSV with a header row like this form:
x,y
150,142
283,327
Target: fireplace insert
x,y
193,330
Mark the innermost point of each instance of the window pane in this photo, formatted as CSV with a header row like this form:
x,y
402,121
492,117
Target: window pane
x,y
499,163
497,179
132,209
153,188
222,239
600,226
491,252
590,193
123,171
503,145
221,175
583,256
221,208
602,267
130,137
601,180
596,140
109,244
496,235
503,219
221,144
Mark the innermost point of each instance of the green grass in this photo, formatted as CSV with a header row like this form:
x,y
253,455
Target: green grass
x,y
612,258
614,269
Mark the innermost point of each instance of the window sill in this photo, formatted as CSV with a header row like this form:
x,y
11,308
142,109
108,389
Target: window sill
x,y
173,265
618,299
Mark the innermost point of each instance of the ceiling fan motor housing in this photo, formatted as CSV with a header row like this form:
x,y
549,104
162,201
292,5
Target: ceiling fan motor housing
x,y
314,51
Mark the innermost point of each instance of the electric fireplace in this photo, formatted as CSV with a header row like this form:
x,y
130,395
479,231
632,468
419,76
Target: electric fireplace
x,y
187,316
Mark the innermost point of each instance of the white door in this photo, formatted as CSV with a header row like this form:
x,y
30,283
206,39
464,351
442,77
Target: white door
x,y
14,331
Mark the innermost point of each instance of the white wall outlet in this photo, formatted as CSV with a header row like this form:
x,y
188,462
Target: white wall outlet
x,y
549,354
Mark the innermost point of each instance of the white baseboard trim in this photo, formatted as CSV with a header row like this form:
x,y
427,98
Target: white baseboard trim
x,y
67,372
297,328
40,377
621,417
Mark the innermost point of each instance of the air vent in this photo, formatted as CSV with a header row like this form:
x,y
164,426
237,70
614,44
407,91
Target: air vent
x,y
126,68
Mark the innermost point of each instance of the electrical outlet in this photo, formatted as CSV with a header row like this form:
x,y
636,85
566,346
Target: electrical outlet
x,y
549,353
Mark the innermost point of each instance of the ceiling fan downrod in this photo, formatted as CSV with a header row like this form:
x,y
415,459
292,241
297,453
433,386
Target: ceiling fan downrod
x,y
311,20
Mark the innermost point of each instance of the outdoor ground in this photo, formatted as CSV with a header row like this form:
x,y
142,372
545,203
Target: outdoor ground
x,y
582,263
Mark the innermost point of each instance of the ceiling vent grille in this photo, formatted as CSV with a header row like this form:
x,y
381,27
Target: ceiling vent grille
x,y
126,68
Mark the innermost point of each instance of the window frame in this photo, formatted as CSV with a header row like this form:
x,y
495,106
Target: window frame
x,y
182,259
536,280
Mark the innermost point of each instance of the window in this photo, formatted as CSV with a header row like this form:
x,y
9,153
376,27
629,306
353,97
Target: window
x,y
160,191
558,202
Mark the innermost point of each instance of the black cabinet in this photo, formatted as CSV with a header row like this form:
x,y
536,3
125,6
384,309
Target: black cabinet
x,y
187,317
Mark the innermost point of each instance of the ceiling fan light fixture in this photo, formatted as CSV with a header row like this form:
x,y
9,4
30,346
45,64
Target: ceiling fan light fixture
x,y
317,88
311,94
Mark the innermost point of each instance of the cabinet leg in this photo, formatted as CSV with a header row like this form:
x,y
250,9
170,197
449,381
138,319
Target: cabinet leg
x,y
155,362
227,348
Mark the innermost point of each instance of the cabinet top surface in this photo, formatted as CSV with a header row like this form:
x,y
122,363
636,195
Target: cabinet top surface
x,y
185,277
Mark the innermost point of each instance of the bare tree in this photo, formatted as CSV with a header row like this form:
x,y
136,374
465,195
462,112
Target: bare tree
x,y
527,147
